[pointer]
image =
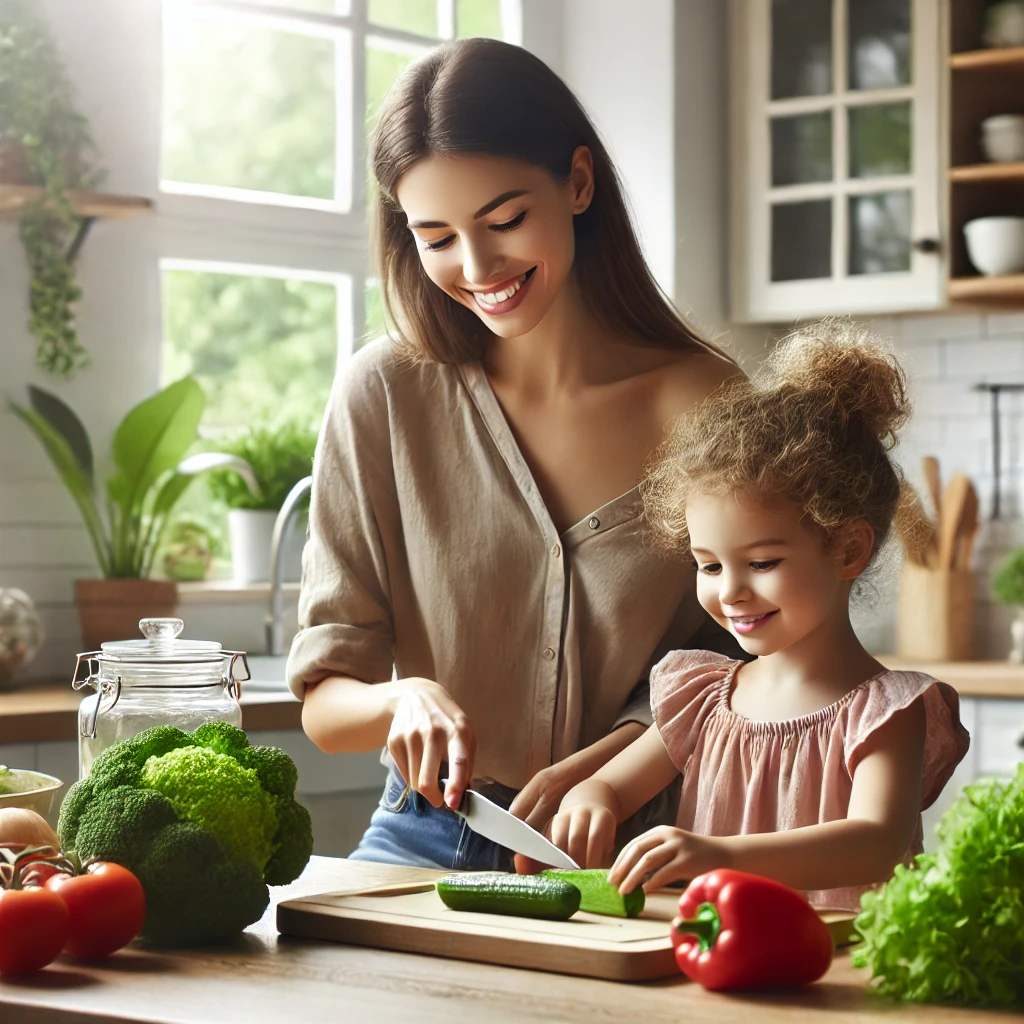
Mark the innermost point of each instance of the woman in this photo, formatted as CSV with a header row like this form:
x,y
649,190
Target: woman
x,y
475,516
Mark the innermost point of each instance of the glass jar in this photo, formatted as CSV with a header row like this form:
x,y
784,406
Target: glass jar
x,y
157,681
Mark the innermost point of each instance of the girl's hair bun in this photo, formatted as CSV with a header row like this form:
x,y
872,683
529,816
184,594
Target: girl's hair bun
x,y
849,375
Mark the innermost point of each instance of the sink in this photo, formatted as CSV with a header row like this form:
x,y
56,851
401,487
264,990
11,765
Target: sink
x,y
267,673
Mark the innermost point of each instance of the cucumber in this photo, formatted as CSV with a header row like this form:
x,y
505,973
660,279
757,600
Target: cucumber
x,y
494,892
597,896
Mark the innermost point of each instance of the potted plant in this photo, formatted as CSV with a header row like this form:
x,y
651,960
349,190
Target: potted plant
x,y
188,549
44,141
280,455
1008,588
150,473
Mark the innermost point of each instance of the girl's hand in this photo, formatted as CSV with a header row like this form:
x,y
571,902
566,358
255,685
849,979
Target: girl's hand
x,y
537,802
663,855
428,727
586,832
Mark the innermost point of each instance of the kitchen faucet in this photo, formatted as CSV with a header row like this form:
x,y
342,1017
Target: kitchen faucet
x,y
274,625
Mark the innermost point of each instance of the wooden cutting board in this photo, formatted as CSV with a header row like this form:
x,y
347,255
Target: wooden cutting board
x,y
411,918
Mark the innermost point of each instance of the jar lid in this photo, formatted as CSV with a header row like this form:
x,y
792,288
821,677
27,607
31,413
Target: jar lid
x,y
161,645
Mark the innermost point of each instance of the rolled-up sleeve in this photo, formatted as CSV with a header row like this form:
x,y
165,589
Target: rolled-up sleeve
x,y
638,707
345,620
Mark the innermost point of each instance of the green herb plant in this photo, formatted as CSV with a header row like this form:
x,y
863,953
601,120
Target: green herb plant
x,y
1008,582
39,122
150,470
280,455
951,927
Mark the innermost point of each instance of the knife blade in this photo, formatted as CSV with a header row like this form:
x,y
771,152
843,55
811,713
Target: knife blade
x,y
495,823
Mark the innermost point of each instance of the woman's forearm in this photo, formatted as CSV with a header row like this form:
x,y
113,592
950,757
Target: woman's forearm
x,y
827,856
342,713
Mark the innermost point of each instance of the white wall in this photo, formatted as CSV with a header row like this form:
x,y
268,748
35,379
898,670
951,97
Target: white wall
x,y
43,546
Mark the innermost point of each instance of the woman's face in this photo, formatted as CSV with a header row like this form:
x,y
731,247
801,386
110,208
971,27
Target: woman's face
x,y
496,234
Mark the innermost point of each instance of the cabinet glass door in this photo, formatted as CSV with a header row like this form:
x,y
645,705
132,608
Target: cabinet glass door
x,y
838,157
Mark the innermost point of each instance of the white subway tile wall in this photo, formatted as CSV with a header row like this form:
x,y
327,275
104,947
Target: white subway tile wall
x,y
945,357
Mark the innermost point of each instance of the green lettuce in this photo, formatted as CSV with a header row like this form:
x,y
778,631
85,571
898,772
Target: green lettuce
x,y
951,927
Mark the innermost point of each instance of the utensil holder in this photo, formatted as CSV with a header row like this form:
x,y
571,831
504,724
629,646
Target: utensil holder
x,y
936,614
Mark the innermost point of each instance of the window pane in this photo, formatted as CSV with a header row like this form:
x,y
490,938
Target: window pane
x,y
879,41
879,140
261,347
383,66
880,233
802,240
802,149
248,107
801,48
419,16
478,18
317,6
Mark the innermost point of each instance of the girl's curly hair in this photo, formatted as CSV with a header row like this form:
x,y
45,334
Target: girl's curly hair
x,y
815,425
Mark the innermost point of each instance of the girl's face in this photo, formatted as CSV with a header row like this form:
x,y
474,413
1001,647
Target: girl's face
x,y
496,234
766,576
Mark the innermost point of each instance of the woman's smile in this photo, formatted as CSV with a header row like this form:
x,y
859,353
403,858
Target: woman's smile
x,y
502,298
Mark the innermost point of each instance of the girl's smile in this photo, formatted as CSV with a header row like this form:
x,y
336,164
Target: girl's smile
x,y
748,623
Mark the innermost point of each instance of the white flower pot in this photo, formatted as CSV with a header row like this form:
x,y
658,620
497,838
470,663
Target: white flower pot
x,y
251,532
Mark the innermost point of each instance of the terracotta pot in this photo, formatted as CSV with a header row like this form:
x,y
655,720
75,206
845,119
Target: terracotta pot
x,y
111,609
13,165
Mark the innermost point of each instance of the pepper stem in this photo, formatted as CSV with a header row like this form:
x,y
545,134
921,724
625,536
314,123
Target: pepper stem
x,y
705,926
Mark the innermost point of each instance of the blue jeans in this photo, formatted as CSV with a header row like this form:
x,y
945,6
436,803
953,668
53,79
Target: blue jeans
x,y
406,829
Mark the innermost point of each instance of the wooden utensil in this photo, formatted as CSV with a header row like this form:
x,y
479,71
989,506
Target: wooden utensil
x,y
917,532
953,502
930,465
967,530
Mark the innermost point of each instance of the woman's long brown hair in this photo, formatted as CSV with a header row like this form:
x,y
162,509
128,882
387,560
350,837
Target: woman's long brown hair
x,y
482,96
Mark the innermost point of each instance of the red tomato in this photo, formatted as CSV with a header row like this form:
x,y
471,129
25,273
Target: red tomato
x,y
33,929
107,906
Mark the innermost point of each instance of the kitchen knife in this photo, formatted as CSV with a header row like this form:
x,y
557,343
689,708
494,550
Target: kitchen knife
x,y
495,823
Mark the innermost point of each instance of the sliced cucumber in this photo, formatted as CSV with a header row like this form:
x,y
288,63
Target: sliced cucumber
x,y
494,892
597,896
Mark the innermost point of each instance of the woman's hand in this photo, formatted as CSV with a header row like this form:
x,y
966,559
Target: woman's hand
x,y
663,855
428,727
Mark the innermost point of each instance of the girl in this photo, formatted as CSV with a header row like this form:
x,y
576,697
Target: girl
x,y
810,765
475,519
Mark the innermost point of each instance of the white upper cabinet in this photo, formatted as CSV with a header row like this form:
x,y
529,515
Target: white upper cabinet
x,y
836,157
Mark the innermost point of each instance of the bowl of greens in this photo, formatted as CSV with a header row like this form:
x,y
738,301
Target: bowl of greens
x,y
21,787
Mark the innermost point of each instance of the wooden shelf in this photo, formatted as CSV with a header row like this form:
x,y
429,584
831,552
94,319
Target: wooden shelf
x,y
13,198
978,173
988,291
1010,58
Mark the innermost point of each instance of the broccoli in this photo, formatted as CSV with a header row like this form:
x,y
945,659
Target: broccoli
x,y
216,792
194,892
203,819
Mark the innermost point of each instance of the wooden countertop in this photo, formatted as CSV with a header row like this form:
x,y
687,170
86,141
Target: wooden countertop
x,y
49,711
264,978
1000,679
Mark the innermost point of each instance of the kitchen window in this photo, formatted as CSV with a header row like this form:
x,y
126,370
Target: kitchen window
x,y
263,205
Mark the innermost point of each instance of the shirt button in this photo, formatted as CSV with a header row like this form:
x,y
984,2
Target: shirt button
x,y
556,550
594,522
549,654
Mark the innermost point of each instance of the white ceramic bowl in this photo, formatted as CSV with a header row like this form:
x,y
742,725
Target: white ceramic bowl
x,y
996,244
33,790
1002,138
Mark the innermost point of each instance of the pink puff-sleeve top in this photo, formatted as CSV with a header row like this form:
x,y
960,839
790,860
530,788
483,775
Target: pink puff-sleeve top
x,y
742,776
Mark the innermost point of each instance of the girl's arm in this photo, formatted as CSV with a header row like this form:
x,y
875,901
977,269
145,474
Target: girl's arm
x,y
414,718
862,849
592,810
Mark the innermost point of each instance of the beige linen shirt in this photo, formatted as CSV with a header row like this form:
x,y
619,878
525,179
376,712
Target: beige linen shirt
x,y
431,552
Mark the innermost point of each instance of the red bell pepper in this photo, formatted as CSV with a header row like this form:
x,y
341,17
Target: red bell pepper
x,y
740,931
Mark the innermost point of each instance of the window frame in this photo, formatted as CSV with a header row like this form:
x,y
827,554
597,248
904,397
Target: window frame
x,y
211,226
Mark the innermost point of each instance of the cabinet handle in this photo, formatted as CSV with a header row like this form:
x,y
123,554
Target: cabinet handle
x,y
928,245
